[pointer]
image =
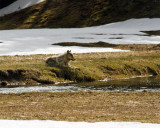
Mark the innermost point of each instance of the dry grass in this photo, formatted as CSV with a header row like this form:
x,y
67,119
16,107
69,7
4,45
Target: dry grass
x,y
82,106
115,55
85,106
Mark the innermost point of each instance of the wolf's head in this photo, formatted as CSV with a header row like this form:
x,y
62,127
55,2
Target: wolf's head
x,y
70,55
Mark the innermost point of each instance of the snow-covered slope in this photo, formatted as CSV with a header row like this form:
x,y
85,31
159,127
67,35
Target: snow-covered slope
x,y
18,5
38,41
62,124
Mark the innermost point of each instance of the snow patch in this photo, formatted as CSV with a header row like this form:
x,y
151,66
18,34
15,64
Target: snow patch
x,y
39,41
62,124
18,5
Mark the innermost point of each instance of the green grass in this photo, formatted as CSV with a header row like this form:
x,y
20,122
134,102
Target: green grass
x,y
74,13
90,67
33,67
126,66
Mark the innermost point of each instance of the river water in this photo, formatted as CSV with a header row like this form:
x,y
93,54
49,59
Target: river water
x,y
139,84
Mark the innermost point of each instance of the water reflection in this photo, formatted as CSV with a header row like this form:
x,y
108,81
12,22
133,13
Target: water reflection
x,y
133,84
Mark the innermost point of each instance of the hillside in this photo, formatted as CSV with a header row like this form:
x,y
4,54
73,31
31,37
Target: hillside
x,y
75,13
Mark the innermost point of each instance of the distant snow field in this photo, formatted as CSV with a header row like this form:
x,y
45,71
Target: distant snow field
x,y
18,5
62,124
39,41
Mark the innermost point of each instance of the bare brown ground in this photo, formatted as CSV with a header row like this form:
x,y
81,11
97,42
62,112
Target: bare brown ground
x,y
82,106
133,47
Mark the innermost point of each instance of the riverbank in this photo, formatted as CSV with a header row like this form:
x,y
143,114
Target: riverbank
x,y
82,106
31,69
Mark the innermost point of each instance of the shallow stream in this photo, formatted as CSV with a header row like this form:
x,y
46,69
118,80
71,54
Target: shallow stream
x,y
133,84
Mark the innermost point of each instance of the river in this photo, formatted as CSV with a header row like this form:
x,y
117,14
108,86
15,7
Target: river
x,y
139,84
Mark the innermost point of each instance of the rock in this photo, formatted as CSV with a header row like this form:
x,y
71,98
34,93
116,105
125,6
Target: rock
x,y
4,83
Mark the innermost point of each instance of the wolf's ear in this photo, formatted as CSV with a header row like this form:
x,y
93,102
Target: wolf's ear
x,y
68,51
